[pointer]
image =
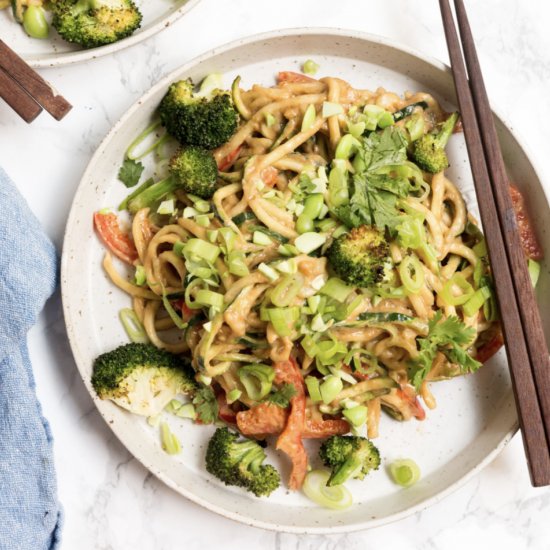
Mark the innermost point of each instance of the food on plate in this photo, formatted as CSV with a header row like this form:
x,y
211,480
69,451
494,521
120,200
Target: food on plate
x,y
89,23
303,248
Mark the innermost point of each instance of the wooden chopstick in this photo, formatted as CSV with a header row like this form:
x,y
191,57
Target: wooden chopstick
x,y
17,98
509,291
29,83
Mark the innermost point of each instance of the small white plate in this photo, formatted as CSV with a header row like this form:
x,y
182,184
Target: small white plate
x,y
54,51
475,416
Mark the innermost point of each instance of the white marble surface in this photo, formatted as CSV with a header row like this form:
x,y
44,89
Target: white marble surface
x,y
111,502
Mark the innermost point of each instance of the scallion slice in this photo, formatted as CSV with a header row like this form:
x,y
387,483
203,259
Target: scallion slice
x,y
330,388
133,327
310,67
332,109
405,472
170,443
313,389
315,488
309,118
308,242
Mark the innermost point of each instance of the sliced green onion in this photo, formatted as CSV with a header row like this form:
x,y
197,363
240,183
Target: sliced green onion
x,y
474,304
304,224
233,395
229,237
268,271
287,250
310,67
211,82
405,472
132,325
330,388
447,295
177,320
203,220
154,420
178,248
257,379
166,207
313,303
309,118
189,212
271,234
212,235
480,249
208,298
332,109
189,289
412,274
260,238
416,126
202,249
357,416
287,266
201,206
338,192
357,129
330,352
282,319
140,277
385,120
285,292
372,115
313,389
270,120
308,242
316,489
326,225
237,99
347,146
336,288
182,410
170,443
534,271
149,130
237,264
313,205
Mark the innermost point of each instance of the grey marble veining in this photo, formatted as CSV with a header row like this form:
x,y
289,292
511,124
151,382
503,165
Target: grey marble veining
x,y
111,501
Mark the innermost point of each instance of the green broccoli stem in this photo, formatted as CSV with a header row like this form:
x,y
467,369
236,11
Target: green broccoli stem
x,y
443,136
348,470
153,194
248,454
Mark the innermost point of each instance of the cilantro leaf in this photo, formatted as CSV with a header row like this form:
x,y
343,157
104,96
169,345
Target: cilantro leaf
x,y
206,405
448,337
282,396
130,172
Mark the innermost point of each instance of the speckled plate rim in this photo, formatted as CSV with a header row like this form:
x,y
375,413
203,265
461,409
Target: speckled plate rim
x,y
263,37
68,58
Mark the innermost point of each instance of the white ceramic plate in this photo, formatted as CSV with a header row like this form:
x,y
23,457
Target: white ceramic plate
x,y
54,51
475,416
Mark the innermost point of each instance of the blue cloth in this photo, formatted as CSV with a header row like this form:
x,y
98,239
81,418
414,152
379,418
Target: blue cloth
x,y
30,515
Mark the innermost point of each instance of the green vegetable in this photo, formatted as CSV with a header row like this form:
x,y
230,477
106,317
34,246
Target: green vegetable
x,y
237,99
408,110
93,23
313,389
170,443
378,317
257,380
130,154
240,463
145,185
141,377
405,472
447,294
34,22
448,336
309,118
534,271
429,150
282,396
202,121
360,257
308,242
349,457
133,327
474,304
412,274
206,405
331,109
192,170
310,67
304,224
182,410
315,488
330,388
336,288
130,172
356,416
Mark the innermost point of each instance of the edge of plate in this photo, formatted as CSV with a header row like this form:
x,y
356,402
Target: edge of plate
x,y
73,338
68,58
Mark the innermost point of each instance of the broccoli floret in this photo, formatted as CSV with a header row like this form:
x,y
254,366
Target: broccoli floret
x,y
348,457
361,257
239,463
429,150
204,121
93,23
192,169
142,378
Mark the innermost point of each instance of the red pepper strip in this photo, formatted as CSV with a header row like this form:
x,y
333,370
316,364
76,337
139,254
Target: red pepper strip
x,y
487,350
118,242
290,76
290,440
226,163
407,394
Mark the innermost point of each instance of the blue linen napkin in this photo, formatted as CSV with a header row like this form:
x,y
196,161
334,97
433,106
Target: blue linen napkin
x,y
30,515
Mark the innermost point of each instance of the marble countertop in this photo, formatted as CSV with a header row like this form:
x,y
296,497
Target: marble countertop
x,y
110,500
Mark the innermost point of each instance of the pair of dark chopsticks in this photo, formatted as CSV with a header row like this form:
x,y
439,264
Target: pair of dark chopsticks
x,y
25,91
526,348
